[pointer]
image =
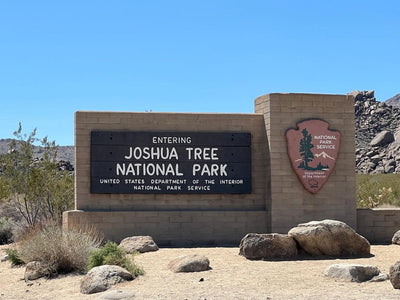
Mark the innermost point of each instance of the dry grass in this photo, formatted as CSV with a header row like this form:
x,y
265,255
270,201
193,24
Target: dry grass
x,y
58,251
378,190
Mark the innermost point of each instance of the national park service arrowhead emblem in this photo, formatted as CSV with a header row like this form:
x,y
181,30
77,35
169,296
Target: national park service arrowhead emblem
x,y
313,150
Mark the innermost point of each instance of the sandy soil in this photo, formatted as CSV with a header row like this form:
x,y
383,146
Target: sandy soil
x,y
231,277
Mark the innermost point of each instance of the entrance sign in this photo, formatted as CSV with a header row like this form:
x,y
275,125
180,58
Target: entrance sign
x,y
313,150
210,178
125,162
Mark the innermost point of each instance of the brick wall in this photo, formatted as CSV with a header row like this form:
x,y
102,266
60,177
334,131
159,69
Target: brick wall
x,y
184,228
290,202
378,225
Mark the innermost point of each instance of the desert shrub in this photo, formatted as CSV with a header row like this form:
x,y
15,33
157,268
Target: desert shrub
x,y
5,231
58,251
35,188
111,254
378,190
15,257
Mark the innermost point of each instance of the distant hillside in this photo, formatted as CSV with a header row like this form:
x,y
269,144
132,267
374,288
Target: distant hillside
x,y
65,153
394,101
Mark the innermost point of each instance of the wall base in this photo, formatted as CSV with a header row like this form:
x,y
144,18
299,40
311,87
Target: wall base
x,y
378,225
172,228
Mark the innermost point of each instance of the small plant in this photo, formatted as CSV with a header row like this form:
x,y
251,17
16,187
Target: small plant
x,y
111,254
15,257
383,195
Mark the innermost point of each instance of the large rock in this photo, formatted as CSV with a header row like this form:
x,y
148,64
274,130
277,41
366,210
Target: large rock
x,y
370,94
118,295
379,278
5,258
101,278
357,95
268,246
138,243
35,270
396,238
352,272
389,166
394,274
190,263
382,139
330,237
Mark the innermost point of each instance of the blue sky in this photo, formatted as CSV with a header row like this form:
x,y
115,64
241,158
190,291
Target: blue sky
x,y
57,57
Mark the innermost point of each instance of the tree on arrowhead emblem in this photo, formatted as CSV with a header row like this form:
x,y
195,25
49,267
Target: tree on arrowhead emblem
x,y
305,150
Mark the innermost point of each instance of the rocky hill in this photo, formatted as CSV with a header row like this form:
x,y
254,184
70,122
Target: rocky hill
x,y
394,101
377,140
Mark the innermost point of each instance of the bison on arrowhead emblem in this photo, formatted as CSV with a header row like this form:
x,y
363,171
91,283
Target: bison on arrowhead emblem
x,y
313,150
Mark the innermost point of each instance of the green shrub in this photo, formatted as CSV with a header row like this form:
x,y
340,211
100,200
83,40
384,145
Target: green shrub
x,y
5,231
378,190
35,189
58,251
111,254
15,257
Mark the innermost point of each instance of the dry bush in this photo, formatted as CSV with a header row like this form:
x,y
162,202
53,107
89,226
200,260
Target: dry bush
x,y
58,251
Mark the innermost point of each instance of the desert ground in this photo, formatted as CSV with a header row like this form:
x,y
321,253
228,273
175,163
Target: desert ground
x,y
231,277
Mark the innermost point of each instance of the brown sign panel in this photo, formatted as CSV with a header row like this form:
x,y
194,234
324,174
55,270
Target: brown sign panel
x,y
313,149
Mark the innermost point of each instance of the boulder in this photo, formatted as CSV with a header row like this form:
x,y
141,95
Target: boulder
x,y
370,94
376,159
117,295
382,139
394,275
5,258
140,244
390,166
372,153
268,246
189,263
352,272
379,278
356,94
378,170
101,278
396,238
331,238
35,270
